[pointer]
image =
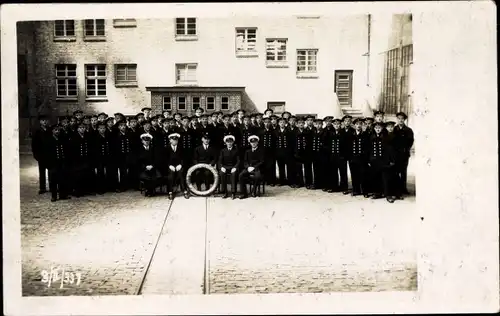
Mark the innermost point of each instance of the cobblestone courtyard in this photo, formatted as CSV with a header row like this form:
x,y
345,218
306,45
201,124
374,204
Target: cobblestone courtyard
x,y
288,241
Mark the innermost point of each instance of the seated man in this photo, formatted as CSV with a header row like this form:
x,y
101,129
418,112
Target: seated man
x,y
254,158
148,164
229,161
204,154
175,166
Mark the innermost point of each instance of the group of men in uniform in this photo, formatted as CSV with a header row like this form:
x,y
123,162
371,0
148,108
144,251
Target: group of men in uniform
x,y
103,154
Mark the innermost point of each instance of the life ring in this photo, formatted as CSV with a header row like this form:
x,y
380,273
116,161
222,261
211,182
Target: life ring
x,y
192,187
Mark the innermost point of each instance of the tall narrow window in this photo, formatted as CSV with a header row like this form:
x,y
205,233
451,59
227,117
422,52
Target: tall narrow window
x,y
390,82
167,103
210,103
307,61
276,52
94,28
186,73
195,102
343,87
181,103
64,29
185,28
246,41
224,103
95,80
126,74
66,81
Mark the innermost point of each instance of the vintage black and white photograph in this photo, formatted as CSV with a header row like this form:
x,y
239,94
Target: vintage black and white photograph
x,y
275,148
220,155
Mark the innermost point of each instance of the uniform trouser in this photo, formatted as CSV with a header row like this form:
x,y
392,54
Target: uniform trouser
x,y
42,180
283,164
232,178
58,180
187,162
401,172
83,174
151,178
244,177
133,175
318,169
382,179
291,171
174,177
336,170
106,177
303,168
358,175
269,170
124,176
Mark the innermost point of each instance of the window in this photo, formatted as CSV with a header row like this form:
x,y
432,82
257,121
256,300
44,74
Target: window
x,y
167,103
66,81
276,52
277,107
246,41
94,29
124,23
185,28
64,29
95,80
125,74
307,61
390,82
225,103
181,103
343,87
407,60
196,102
186,73
210,103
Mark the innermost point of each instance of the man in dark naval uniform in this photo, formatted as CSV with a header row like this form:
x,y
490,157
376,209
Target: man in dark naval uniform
x,y
148,165
229,161
56,158
205,153
357,147
106,176
266,134
81,157
404,140
303,155
187,142
284,151
252,166
335,142
39,149
317,153
124,156
175,166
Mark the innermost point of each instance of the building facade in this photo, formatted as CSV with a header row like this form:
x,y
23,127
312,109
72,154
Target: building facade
x,y
316,65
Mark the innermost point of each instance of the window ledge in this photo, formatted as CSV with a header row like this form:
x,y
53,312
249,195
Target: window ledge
x,y
94,38
307,75
186,37
65,39
126,84
247,54
96,99
276,65
67,99
124,24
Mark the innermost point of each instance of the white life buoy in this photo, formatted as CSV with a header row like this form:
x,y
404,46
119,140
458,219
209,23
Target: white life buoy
x,y
192,187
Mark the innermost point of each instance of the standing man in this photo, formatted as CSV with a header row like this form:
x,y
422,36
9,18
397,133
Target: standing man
x,y
269,143
302,156
254,159
82,162
241,114
405,139
268,113
147,113
106,171
337,167
317,153
39,149
175,166
246,130
56,159
358,146
229,162
284,152
124,156
187,142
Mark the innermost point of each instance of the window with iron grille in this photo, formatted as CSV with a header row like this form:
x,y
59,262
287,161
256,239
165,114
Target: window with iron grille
x,y
343,87
246,40
124,22
407,60
195,102
94,28
95,80
181,103
276,51
210,103
390,82
186,73
278,107
307,60
126,74
185,27
224,103
66,81
167,103
64,28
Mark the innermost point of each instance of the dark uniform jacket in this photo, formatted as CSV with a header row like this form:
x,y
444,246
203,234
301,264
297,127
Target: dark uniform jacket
x,y
317,146
284,144
245,132
82,151
124,148
268,140
358,146
335,142
405,139
187,140
254,158
135,137
57,152
229,158
148,158
302,144
103,149
208,156
228,130
174,158
38,143
381,150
